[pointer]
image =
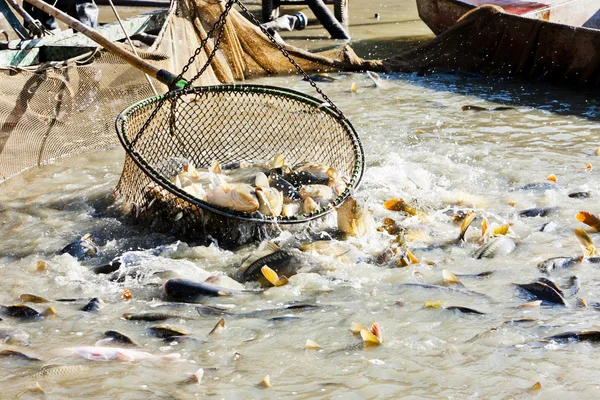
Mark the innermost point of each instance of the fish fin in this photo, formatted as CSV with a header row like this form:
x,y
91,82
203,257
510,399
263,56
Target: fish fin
x,y
433,304
536,386
218,327
123,356
223,293
411,257
261,180
353,88
589,219
311,345
356,327
376,331
215,167
198,375
449,277
266,382
465,225
49,312
369,338
269,274
484,226
589,250
551,178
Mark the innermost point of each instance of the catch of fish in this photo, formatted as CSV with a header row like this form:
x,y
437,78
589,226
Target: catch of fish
x,y
270,188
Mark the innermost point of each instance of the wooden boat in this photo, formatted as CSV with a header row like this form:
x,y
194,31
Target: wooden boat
x,y
439,15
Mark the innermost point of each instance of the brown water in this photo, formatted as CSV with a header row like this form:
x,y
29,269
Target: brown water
x,y
421,147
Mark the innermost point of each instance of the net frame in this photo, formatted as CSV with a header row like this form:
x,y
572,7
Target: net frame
x,y
136,146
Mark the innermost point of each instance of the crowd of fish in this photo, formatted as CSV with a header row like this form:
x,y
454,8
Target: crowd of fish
x,y
269,188
271,266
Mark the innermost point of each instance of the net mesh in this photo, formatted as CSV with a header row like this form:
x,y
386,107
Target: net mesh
x,y
228,123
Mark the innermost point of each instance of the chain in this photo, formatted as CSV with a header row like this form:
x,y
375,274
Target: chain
x,y
221,24
168,96
290,59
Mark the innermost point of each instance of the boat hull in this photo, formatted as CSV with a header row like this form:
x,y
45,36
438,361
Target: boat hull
x,y
440,15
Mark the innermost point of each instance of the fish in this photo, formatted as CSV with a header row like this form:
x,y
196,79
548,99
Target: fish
x,y
545,290
31,298
461,235
538,212
270,201
537,187
194,378
283,318
239,197
484,274
340,250
555,263
285,263
573,286
321,194
94,305
17,354
380,83
464,310
163,331
23,312
589,219
117,337
98,353
292,209
309,205
189,291
14,336
497,246
289,191
81,249
588,247
109,268
580,195
60,371
588,336
399,205
272,277
442,288
321,77
353,218
150,317
211,310
478,108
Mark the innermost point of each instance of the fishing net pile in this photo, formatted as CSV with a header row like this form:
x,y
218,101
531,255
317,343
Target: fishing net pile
x,y
64,108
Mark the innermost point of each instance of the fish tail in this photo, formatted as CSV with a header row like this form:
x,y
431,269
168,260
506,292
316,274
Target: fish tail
x,y
589,250
465,225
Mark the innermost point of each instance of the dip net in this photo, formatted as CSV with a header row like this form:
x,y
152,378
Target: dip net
x,y
228,123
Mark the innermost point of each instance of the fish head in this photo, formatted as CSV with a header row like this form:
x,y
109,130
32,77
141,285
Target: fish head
x,y
353,218
243,198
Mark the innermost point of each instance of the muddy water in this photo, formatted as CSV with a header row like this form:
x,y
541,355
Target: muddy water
x,y
420,147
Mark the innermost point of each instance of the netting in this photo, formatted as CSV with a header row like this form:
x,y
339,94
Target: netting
x,y
229,123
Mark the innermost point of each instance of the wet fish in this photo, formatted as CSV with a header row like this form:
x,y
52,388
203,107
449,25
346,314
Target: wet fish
x,y
81,249
189,291
321,194
31,298
538,211
118,337
537,187
573,286
283,318
60,371
497,246
465,310
212,310
289,191
484,274
94,305
545,290
588,247
109,268
340,250
21,311
469,107
163,331
239,197
554,263
589,219
99,353
353,218
151,317
588,336
322,77
380,83
284,262
17,354
442,288
580,195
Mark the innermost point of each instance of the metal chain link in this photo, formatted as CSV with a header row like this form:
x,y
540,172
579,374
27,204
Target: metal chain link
x,y
221,23
291,60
